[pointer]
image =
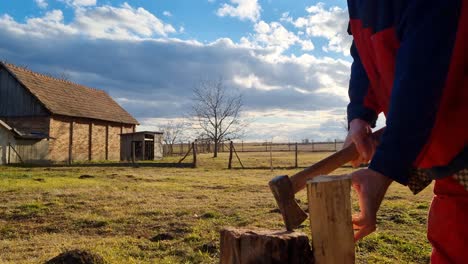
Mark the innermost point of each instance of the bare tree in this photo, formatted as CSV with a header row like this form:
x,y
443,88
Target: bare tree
x,y
217,112
172,132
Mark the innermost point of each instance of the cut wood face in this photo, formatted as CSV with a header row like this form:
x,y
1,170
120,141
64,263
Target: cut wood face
x,y
330,178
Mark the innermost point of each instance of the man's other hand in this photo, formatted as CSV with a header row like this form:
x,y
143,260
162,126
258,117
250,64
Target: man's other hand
x,y
371,187
360,133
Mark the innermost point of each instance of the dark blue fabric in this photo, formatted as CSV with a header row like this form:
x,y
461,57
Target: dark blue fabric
x,y
377,15
359,85
428,31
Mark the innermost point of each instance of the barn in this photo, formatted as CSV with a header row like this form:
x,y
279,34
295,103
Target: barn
x,y
56,121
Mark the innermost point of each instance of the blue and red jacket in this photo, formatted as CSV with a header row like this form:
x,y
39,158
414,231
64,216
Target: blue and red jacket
x,y
411,63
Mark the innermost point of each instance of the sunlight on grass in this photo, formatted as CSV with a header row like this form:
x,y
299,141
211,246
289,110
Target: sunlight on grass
x,y
173,215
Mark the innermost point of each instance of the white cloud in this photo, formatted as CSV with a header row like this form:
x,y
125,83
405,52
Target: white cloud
x,y
243,9
120,22
104,22
167,13
80,3
41,3
331,24
51,24
275,37
252,81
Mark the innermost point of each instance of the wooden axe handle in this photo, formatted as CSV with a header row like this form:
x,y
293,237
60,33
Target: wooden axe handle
x,y
328,164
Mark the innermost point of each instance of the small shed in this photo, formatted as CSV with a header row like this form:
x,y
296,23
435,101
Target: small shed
x,y
145,145
6,139
18,147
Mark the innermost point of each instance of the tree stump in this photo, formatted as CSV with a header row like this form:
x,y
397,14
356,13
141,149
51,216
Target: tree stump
x,y
240,246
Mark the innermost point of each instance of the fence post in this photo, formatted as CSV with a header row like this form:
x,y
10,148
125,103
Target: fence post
x,y
230,155
335,144
271,157
295,164
242,145
313,146
194,151
266,146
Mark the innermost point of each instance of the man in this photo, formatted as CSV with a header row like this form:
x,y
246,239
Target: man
x,y
411,63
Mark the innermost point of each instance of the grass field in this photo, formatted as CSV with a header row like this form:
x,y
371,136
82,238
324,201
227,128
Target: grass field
x,y
173,215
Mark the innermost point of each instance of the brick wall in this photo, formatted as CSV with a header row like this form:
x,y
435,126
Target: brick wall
x,y
98,145
114,142
81,140
60,139
60,130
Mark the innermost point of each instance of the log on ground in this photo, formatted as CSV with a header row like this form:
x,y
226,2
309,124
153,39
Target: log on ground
x,y
241,246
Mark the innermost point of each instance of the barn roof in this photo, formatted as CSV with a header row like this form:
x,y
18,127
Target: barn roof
x,y
66,98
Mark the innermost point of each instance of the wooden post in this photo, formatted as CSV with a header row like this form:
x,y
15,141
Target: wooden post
x,y
194,151
90,142
242,145
241,246
271,158
295,155
330,219
70,144
133,152
107,143
9,153
313,146
231,147
335,145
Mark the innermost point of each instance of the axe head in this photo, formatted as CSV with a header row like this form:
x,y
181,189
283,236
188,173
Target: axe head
x,y
292,213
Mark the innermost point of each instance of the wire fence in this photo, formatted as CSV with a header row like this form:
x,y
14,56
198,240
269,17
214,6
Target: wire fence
x,y
256,155
240,146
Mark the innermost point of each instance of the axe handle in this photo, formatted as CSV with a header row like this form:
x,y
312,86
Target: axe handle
x,y
328,164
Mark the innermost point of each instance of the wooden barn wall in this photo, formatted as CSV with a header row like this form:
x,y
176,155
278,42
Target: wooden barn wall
x,y
15,100
30,151
29,124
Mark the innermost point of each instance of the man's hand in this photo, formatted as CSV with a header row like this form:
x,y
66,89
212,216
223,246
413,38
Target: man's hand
x,y
360,133
371,187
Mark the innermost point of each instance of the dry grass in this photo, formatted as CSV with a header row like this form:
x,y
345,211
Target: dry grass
x,y
172,215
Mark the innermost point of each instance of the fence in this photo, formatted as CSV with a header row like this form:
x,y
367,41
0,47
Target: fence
x,y
207,147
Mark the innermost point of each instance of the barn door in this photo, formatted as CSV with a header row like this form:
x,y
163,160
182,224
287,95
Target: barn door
x,y
149,150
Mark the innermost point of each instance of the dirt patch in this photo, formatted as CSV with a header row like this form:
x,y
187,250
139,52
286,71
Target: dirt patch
x,y
39,179
209,248
161,237
86,176
76,257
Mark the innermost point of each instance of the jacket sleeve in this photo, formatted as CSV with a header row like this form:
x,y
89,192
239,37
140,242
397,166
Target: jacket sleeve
x,y
359,89
427,35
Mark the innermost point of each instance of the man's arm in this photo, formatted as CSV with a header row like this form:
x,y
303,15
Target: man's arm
x,y
427,32
359,92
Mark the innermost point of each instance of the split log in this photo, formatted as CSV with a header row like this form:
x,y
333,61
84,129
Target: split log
x,y
330,219
240,246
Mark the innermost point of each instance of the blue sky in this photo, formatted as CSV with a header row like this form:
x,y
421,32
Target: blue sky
x,y
289,59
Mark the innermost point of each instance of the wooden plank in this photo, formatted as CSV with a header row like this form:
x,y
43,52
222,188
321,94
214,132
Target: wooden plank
x,y
330,219
242,246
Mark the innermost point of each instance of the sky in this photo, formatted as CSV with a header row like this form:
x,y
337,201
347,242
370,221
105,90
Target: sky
x,y
289,59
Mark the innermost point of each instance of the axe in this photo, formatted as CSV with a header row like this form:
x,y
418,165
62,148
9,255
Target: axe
x,y
284,187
